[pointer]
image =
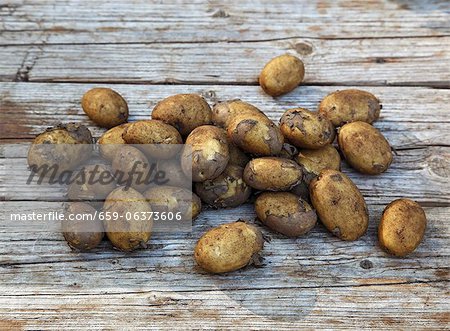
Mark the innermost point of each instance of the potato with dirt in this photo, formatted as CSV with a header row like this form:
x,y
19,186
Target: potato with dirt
x,y
206,154
224,111
173,173
111,140
130,224
272,174
285,213
402,227
229,247
185,112
281,75
105,107
313,161
306,129
350,105
365,148
339,205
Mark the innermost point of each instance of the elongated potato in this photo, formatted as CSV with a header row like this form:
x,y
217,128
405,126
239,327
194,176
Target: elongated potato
x,y
272,174
229,247
223,112
402,227
111,140
339,204
105,107
208,153
365,148
285,213
183,111
350,105
306,129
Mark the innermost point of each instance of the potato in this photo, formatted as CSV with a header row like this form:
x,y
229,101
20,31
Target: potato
x,y
223,112
339,204
365,148
92,184
237,156
105,107
288,151
111,137
402,227
306,129
157,137
169,199
272,174
81,229
281,75
313,161
174,173
53,148
227,190
285,213
183,111
132,228
229,247
208,153
350,105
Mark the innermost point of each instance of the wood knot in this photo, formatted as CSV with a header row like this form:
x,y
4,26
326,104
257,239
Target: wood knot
x,y
303,48
366,264
221,14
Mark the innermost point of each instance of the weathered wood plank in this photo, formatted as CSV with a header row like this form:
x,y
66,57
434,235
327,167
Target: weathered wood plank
x,y
392,61
102,21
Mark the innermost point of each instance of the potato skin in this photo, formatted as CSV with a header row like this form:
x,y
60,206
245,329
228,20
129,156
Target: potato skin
x,y
272,174
285,213
281,75
82,235
313,161
339,205
111,137
174,173
127,235
210,153
126,158
237,156
365,148
228,247
223,112
105,107
350,105
306,129
227,190
183,111
402,227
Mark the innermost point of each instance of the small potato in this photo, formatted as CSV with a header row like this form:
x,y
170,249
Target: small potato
x,y
288,151
183,111
272,174
229,247
306,129
365,148
237,156
132,228
339,204
174,173
208,153
85,233
313,161
223,112
157,137
111,137
350,105
227,190
105,107
281,75
169,199
285,213
402,227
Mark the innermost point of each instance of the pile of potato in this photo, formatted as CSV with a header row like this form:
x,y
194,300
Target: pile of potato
x,y
292,170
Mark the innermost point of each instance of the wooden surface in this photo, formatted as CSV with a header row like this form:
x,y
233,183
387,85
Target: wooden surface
x,y
52,52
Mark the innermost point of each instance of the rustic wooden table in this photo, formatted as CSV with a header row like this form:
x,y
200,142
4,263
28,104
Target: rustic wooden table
x,y
51,52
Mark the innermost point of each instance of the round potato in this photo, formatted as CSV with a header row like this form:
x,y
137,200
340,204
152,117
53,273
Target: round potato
x,y
402,227
105,107
365,148
223,112
114,138
306,129
81,229
272,174
339,204
313,161
183,111
208,153
285,213
350,105
227,190
157,137
229,247
174,173
169,199
281,75
132,227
